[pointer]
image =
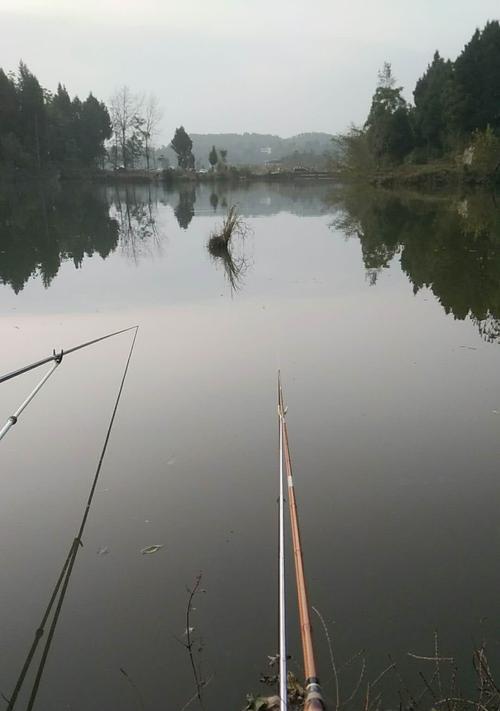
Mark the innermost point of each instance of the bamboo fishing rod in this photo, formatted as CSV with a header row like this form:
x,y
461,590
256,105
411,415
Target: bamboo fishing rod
x,y
314,696
283,680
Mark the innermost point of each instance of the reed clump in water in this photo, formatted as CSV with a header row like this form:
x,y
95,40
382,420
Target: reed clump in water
x,y
233,224
219,246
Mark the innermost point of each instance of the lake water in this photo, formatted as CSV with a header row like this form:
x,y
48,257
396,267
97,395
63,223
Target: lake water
x,y
380,312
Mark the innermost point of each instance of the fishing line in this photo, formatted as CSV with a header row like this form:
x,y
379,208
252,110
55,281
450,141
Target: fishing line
x,y
60,589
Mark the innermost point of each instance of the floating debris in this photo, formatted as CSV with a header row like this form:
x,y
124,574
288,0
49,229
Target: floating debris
x,y
103,551
149,550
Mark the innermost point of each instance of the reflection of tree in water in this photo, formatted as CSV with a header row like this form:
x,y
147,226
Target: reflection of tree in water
x,y
184,210
453,248
214,200
42,226
133,211
489,328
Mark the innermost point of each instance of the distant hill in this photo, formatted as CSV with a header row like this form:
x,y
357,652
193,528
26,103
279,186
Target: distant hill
x,y
255,148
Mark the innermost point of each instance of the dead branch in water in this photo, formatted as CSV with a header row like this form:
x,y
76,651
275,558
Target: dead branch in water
x,y
190,642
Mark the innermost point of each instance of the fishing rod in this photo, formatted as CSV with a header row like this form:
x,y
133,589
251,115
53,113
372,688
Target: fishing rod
x,y
12,420
314,696
283,687
56,358
59,593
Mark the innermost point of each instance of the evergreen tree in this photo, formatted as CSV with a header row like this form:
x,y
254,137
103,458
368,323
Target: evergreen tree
x,y
95,130
431,93
41,129
213,157
10,147
62,120
388,125
477,77
183,146
32,115
8,105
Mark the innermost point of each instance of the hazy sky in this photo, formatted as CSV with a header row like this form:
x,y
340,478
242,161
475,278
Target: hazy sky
x,y
273,66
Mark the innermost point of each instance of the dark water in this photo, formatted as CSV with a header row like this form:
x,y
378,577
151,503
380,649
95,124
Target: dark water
x,y
381,312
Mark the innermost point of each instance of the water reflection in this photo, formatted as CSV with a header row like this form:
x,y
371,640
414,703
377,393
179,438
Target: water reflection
x,y
184,210
41,227
450,245
133,210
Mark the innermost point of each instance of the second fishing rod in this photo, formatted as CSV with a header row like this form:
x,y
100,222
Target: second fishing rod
x,y
314,696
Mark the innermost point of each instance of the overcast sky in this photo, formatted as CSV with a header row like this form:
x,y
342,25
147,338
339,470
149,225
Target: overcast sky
x,y
269,66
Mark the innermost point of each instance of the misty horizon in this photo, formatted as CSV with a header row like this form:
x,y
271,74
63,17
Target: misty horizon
x,y
281,69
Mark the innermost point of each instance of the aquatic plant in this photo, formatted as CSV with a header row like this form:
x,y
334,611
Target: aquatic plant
x,y
219,246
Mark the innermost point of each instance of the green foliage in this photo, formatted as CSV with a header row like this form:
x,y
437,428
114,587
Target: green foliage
x,y
453,100
95,130
477,79
183,146
40,130
388,125
432,95
483,154
354,153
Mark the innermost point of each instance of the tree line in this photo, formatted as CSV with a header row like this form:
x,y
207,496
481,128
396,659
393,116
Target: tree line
x,y
456,108
39,128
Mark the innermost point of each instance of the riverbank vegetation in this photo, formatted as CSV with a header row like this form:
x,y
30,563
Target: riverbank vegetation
x,y
420,682
451,132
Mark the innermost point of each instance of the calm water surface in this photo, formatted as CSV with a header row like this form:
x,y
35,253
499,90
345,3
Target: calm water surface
x,y
381,313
